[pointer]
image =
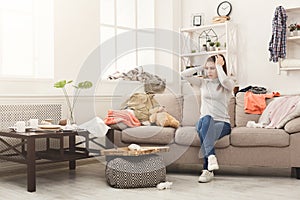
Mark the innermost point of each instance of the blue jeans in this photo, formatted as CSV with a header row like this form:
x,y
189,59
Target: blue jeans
x,y
209,131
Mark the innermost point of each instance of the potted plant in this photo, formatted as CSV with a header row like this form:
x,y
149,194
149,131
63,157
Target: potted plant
x,y
292,28
211,46
298,29
71,104
218,46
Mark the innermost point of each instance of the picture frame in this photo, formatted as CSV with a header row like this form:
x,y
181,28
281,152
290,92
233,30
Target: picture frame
x,y
197,19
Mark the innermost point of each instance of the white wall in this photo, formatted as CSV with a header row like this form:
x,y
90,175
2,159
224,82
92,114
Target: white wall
x,y
254,20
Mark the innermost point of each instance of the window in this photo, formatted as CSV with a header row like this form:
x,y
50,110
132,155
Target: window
x,y
134,18
26,39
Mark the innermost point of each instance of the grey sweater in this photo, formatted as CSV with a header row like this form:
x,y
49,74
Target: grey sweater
x,y
215,93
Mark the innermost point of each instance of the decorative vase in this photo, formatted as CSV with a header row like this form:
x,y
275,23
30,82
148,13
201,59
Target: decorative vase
x,y
71,119
291,33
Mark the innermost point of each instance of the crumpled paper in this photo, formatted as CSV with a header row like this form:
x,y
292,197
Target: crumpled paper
x,y
96,127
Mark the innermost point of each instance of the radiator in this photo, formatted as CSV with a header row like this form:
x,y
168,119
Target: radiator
x,y
11,113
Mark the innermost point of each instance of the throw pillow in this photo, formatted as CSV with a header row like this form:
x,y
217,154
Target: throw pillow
x,y
293,126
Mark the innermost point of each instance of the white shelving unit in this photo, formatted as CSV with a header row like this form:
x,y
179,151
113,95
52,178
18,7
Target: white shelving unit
x,y
191,53
293,43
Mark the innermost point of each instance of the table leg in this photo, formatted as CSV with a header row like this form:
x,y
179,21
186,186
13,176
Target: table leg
x,y
30,157
72,163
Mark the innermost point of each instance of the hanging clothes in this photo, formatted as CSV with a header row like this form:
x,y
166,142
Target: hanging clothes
x,y
277,45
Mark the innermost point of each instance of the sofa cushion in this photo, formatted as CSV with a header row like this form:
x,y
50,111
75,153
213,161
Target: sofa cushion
x,y
191,104
191,109
241,118
188,136
293,126
148,135
172,103
259,137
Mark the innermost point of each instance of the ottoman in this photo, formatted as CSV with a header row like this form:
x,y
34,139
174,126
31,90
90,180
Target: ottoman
x,y
135,171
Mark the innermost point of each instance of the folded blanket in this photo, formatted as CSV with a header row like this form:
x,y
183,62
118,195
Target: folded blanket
x,y
125,116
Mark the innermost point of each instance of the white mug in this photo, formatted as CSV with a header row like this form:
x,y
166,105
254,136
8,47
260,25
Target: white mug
x,y
20,126
33,123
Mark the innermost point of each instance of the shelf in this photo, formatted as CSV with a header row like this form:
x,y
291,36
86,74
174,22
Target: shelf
x,y
193,29
203,53
55,154
289,68
291,10
293,38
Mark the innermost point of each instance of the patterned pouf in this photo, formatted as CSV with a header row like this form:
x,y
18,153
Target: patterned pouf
x,y
135,171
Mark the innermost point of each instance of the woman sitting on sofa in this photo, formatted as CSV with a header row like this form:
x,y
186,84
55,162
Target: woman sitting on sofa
x,y
216,91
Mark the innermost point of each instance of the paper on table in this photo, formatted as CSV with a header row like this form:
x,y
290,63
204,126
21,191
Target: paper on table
x,y
95,126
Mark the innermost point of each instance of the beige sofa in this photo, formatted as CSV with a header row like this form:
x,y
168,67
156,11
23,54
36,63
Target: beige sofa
x,y
248,147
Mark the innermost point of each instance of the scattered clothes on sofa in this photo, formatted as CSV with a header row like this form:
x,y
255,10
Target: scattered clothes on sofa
x,y
152,83
256,103
140,103
277,44
280,111
125,116
253,124
254,89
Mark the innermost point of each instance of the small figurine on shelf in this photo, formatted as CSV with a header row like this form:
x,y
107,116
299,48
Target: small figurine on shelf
x,y
293,29
204,47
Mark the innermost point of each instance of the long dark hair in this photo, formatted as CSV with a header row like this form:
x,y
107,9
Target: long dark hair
x,y
213,59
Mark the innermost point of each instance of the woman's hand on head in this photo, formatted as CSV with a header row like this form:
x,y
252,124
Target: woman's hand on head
x,y
219,60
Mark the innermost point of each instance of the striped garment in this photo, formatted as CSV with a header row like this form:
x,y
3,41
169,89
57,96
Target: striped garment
x,y
277,45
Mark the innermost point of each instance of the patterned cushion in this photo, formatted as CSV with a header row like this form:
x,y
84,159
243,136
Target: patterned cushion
x,y
135,171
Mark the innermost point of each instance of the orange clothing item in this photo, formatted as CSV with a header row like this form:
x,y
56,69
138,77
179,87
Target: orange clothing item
x,y
116,116
256,103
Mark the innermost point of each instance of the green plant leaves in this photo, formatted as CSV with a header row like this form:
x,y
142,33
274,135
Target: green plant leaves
x,y
84,85
62,83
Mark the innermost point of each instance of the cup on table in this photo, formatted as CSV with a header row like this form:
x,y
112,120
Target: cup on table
x,y
20,126
33,123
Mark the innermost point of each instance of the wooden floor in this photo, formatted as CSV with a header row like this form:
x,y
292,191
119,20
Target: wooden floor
x,y
55,181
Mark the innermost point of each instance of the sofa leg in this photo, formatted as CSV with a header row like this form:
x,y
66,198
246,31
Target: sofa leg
x,y
297,172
